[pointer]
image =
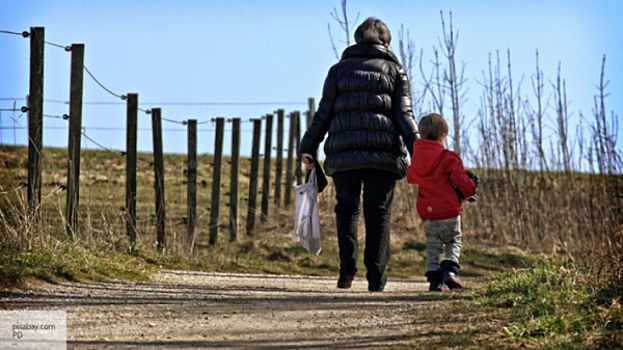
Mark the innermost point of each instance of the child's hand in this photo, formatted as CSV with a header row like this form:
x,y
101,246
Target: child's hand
x,y
476,180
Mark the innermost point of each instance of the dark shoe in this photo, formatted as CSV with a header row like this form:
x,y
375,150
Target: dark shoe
x,y
376,283
344,282
452,280
375,288
438,286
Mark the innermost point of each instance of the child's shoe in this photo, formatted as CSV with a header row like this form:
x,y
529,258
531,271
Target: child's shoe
x,y
452,280
438,286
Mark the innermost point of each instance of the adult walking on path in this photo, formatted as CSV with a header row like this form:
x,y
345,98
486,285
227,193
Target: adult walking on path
x,y
366,111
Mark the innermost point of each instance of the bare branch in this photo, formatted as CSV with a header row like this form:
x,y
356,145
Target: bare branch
x,y
344,23
337,57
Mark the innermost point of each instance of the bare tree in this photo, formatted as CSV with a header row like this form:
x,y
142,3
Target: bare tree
x,y
433,84
344,23
562,120
407,57
407,54
453,80
537,128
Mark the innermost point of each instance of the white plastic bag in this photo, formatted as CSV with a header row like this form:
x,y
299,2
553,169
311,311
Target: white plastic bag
x,y
307,222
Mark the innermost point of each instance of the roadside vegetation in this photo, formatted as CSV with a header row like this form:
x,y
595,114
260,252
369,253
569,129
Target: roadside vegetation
x,y
521,293
556,305
101,249
543,244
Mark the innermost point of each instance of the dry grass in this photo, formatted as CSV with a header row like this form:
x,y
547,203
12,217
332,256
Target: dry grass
x,y
270,250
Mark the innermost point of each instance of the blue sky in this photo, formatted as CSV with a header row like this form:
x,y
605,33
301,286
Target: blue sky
x,y
279,51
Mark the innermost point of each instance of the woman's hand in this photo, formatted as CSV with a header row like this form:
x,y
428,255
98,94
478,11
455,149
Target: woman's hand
x,y
310,164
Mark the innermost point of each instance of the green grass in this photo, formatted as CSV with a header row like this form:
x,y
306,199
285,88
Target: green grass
x,y
557,306
56,260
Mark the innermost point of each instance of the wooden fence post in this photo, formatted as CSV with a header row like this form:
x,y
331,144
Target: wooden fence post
x,y
191,196
35,122
130,168
297,134
289,177
75,135
233,190
216,180
156,123
255,165
279,161
311,110
266,177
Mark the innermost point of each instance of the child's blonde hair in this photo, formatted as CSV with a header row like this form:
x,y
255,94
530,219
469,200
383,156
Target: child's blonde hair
x,y
432,126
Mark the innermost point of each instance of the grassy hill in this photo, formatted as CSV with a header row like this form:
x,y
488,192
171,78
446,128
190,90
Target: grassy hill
x,y
541,251
102,247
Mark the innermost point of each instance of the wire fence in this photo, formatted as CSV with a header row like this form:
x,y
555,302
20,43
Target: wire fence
x,y
210,125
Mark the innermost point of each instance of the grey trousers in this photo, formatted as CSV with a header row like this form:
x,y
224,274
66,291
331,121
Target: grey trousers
x,y
439,233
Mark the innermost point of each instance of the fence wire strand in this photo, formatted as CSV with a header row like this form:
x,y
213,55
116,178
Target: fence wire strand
x,y
102,86
146,111
95,142
64,116
9,32
168,103
66,48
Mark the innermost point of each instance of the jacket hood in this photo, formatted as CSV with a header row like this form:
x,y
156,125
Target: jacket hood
x,y
426,156
370,50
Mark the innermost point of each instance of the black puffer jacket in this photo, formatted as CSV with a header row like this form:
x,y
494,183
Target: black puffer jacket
x,y
366,110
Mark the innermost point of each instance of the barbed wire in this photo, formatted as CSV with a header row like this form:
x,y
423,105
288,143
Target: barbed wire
x,y
24,34
121,129
22,109
183,122
223,103
124,153
146,111
25,109
169,103
64,116
95,142
121,153
123,97
174,121
66,48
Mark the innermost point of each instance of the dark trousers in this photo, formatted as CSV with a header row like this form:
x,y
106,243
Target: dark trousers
x,y
378,193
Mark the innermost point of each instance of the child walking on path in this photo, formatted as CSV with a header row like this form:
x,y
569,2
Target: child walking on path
x,y
435,169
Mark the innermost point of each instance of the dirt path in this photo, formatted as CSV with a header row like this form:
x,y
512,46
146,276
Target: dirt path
x,y
195,310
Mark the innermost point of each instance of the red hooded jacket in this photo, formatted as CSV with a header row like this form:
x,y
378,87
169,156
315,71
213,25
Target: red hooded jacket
x,y
434,169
